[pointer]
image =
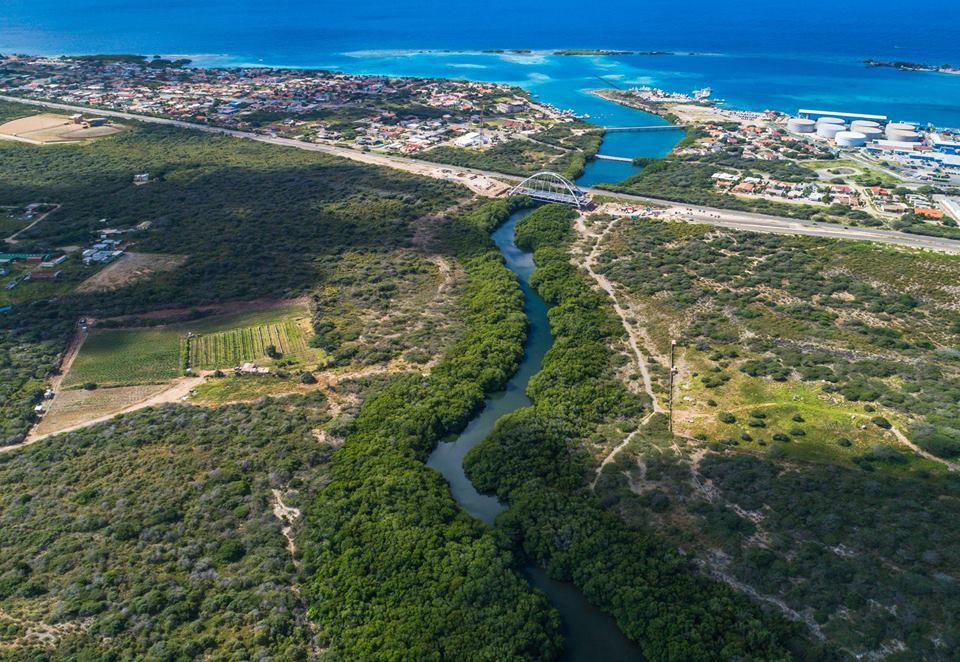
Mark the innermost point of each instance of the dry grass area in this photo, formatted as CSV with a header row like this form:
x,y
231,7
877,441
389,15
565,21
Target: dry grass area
x,y
78,407
52,128
129,269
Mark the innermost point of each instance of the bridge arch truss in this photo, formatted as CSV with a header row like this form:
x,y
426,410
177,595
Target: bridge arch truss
x,y
551,187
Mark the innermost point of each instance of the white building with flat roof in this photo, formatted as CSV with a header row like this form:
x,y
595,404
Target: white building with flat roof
x,y
472,139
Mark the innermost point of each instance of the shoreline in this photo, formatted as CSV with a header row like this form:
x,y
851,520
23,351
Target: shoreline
x,y
207,60
650,109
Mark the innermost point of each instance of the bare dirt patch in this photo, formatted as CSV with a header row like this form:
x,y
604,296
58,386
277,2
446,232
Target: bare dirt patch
x,y
52,128
129,269
74,409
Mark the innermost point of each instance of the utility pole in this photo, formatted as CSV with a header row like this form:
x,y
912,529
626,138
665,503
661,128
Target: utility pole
x,y
481,122
673,371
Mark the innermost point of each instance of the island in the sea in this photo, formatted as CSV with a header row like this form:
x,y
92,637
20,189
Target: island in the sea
x,y
604,52
914,66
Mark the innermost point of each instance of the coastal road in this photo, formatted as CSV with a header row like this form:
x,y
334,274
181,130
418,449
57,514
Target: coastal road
x,y
726,218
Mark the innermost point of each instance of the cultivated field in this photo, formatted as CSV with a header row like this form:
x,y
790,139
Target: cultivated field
x,y
157,355
137,356
225,349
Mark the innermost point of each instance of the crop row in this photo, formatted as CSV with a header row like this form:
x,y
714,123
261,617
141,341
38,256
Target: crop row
x,y
229,348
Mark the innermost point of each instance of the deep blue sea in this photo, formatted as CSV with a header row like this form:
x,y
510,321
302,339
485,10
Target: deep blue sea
x,y
755,55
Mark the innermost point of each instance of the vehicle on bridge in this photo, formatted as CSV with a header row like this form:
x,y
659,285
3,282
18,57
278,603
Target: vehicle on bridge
x,y
552,187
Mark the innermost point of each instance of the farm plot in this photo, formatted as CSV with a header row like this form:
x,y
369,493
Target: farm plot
x,y
229,348
158,355
141,356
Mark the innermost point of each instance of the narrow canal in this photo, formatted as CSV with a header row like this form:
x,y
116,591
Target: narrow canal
x,y
589,634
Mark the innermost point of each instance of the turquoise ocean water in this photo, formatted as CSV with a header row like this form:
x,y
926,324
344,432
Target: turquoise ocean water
x,y
753,54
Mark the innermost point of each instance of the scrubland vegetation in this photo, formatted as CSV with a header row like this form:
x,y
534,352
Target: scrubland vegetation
x,y
802,362
374,308
157,539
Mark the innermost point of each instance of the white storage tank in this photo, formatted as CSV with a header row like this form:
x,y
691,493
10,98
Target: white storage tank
x,y
850,139
859,125
904,136
900,126
829,131
830,120
801,125
871,132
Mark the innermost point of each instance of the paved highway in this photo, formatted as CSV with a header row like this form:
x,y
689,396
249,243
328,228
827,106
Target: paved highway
x,y
719,217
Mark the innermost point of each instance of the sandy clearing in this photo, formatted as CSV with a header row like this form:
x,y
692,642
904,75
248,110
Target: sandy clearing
x,y
47,128
128,269
287,516
128,399
33,123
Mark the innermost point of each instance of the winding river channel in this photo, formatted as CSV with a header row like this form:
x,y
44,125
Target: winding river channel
x,y
589,634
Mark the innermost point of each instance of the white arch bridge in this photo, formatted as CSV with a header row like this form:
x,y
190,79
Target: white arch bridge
x,y
551,187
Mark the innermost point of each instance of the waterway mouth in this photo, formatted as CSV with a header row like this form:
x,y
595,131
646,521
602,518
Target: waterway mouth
x,y
589,634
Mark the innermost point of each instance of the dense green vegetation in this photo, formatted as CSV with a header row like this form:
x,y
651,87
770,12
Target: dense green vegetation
x,y
787,171
25,361
914,224
156,61
384,541
156,538
532,461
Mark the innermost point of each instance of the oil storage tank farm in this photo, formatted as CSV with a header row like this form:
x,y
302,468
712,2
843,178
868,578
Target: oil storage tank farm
x,y
850,139
872,130
800,125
